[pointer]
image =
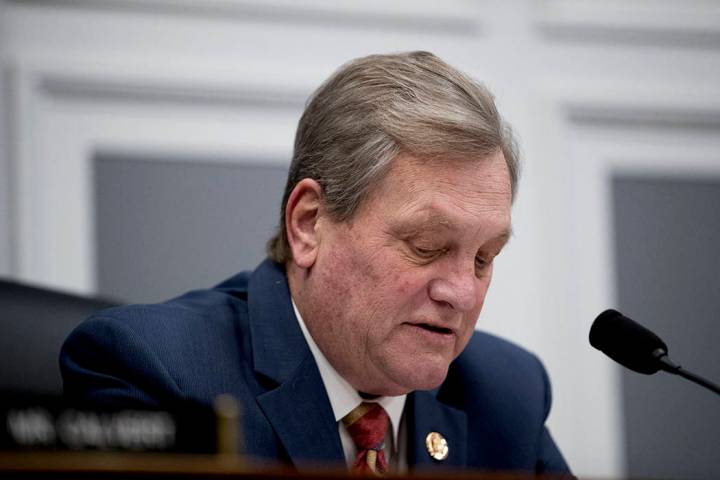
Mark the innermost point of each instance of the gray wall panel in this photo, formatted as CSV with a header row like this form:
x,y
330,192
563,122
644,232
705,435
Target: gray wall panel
x,y
166,227
668,264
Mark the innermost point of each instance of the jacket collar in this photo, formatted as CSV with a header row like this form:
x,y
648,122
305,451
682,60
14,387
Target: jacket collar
x,y
298,408
278,345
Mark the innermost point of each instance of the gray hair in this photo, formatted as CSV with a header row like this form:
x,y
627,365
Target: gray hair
x,y
376,107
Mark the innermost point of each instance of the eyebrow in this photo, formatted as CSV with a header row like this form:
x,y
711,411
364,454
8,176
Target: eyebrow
x,y
437,220
504,237
434,220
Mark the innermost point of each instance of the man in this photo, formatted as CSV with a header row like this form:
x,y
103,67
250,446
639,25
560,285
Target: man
x,y
355,340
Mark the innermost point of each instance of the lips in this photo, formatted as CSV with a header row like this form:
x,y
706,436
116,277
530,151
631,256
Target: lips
x,y
433,331
431,337
434,328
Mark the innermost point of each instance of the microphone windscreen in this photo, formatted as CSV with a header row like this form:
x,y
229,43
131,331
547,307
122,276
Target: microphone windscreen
x,y
626,342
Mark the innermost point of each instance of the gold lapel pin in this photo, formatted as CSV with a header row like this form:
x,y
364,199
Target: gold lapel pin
x,y
437,446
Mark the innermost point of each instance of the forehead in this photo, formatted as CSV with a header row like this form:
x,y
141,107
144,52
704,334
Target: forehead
x,y
484,178
444,194
488,172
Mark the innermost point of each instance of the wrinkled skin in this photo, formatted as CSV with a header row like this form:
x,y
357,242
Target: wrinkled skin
x,y
392,296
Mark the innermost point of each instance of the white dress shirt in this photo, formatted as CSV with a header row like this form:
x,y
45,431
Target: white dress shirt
x,y
344,398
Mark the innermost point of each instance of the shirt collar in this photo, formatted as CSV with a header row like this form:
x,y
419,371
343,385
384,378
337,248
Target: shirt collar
x,y
343,397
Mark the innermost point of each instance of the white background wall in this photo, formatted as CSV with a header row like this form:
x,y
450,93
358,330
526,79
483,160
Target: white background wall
x,y
592,87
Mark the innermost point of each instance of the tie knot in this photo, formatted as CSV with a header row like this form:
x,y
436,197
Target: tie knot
x,y
367,425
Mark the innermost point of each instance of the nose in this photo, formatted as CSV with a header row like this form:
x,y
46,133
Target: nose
x,y
457,287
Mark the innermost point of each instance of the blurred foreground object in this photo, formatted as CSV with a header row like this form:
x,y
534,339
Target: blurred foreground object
x,y
33,324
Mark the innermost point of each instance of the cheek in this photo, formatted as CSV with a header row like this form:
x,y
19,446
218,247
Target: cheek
x,y
401,282
357,261
471,319
379,274
344,269
468,328
404,290
357,285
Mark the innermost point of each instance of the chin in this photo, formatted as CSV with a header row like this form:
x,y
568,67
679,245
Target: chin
x,y
423,378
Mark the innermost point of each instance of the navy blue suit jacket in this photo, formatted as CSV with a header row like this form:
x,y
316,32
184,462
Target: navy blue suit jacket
x,y
242,338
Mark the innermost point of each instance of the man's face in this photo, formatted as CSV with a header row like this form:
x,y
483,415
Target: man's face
x,y
394,294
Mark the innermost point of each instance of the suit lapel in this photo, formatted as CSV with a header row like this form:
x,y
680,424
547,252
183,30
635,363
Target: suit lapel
x,y
300,413
427,414
278,345
298,409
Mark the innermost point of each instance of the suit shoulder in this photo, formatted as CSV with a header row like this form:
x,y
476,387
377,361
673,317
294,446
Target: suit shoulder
x,y
505,393
497,370
198,311
485,347
154,352
178,330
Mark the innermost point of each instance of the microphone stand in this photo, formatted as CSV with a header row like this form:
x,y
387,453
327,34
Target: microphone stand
x,y
671,367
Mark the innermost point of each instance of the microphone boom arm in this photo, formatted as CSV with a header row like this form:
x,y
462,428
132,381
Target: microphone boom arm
x,y
671,367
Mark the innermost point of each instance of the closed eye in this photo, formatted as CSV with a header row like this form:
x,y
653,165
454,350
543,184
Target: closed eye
x,y
485,260
428,253
481,262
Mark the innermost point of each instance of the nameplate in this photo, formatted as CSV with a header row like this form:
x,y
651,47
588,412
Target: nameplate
x,y
44,422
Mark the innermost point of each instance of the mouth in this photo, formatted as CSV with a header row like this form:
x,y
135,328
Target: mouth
x,y
434,328
431,336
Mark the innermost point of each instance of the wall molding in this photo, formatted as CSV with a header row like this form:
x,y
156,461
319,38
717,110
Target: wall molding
x,y
66,87
661,104
691,23
452,17
653,117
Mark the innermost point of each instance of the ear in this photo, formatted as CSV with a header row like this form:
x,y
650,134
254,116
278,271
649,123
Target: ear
x,y
301,218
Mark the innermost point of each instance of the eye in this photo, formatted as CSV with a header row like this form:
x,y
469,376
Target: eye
x,y
482,262
427,253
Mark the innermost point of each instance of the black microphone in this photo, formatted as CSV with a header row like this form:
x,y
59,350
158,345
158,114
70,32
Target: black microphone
x,y
637,348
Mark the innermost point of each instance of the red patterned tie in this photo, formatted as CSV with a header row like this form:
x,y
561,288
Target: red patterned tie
x,y
367,425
